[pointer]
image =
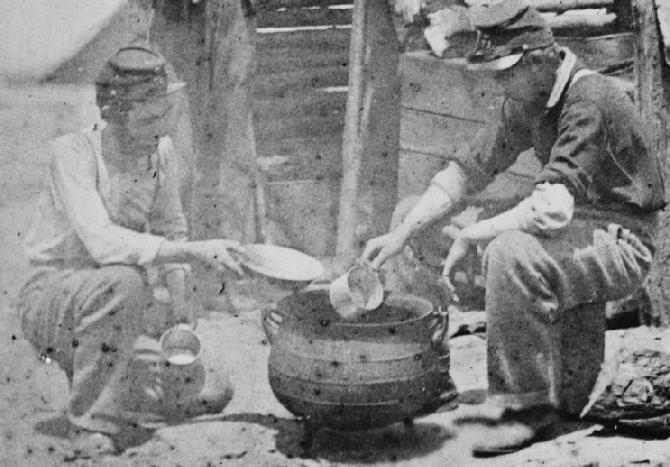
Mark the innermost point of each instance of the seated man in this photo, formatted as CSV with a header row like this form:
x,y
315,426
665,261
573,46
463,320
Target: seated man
x,y
110,209
583,236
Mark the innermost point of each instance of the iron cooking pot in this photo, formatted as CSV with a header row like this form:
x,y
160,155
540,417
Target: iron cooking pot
x,y
379,369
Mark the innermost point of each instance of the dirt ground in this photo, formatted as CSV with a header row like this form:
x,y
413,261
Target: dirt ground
x,y
254,430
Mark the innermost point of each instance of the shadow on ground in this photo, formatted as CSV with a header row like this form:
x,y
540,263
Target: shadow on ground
x,y
392,443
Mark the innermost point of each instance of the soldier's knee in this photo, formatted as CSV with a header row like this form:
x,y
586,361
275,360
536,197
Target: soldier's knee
x,y
129,280
507,250
129,286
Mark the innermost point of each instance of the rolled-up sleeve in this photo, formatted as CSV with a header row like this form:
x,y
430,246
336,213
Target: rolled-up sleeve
x,y
74,175
496,146
549,207
580,149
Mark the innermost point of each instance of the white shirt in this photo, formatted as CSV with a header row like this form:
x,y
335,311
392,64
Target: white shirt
x,y
73,225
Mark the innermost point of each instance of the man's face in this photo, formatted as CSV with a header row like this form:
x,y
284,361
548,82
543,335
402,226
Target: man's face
x,y
526,82
143,124
516,82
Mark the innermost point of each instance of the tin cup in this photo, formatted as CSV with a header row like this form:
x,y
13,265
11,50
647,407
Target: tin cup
x,y
181,346
356,291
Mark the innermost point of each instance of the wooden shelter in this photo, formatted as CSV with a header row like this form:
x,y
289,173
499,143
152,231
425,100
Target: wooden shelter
x,y
442,105
310,120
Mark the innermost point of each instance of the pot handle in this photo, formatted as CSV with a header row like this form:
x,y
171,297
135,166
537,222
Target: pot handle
x,y
439,326
272,319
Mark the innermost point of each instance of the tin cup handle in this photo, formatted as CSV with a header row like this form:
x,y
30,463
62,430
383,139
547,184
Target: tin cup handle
x,y
439,326
272,319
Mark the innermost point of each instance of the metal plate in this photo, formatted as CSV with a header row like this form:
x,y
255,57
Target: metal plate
x,y
282,263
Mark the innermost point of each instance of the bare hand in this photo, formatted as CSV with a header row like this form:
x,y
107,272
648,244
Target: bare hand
x,y
217,253
408,9
166,161
379,249
458,251
273,322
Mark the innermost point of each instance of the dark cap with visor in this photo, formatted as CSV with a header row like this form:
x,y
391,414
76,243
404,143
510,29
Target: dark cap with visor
x,y
134,73
505,31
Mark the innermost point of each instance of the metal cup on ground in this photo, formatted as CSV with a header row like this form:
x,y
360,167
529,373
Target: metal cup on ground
x,y
180,345
355,292
181,350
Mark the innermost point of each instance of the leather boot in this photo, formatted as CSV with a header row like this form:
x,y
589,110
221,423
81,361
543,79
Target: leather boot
x,y
516,429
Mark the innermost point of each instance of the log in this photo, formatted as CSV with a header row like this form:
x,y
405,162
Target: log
x,y
564,5
591,24
633,391
644,57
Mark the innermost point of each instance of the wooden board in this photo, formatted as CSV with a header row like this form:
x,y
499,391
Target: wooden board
x,y
298,124
303,17
308,126
302,104
279,84
306,212
310,158
288,168
433,134
564,5
602,51
285,59
444,86
415,172
326,146
325,39
264,5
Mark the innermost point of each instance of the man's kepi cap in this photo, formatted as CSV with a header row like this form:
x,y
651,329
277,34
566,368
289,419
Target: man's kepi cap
x,y
505,30
135,73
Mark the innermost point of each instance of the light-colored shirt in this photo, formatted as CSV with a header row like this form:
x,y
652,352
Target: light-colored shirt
x,y
89,215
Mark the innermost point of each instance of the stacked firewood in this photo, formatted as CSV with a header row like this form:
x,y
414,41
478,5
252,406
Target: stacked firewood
x,y
633,388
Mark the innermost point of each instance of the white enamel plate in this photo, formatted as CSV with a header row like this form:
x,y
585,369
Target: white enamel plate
x,y
281,263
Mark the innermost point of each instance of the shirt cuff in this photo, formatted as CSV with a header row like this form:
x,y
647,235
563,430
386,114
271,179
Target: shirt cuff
x,y
149,250
549,207
169,267
452,180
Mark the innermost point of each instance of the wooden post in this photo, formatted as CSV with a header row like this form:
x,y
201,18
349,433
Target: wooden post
x,y
372,127
351,145
213,50
231,100
650,101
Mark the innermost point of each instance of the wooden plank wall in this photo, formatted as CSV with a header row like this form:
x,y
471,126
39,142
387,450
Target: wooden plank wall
x,y
444,105
300,98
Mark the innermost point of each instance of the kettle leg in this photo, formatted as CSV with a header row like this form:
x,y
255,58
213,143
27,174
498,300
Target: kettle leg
x,y
409,423
307,436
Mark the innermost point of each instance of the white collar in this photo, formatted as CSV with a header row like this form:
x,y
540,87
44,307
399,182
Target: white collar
x,y
562,76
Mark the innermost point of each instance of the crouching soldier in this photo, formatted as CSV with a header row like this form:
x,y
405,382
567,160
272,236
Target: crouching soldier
x,y
583,235
111,208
